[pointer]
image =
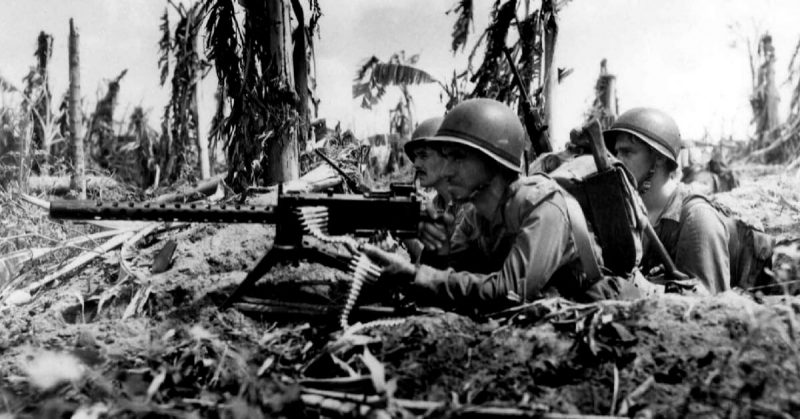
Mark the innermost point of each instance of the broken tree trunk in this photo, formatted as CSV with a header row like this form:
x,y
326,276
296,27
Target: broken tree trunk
x,y
284,162
300,62
24,157
765,98
42,138
62,185
78,181
551,71
605,106
202,140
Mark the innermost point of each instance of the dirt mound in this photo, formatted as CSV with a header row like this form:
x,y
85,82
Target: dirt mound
x,y
112,343
767,196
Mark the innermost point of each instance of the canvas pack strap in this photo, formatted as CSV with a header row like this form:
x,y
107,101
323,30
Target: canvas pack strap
x,y
583,242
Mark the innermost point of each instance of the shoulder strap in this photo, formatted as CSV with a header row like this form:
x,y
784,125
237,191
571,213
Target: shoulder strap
x,y
583,242
720,207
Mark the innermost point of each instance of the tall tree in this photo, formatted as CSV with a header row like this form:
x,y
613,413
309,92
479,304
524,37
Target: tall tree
x,y
42,115
78,179
531,37
254,65
605,107
101,135
284,162
765,97
188,148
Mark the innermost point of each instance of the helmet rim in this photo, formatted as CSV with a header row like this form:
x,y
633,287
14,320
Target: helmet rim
x,y
418,140
502,160
655,145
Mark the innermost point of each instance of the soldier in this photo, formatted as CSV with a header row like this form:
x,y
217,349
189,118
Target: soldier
x,y
428,162
520,239
695,234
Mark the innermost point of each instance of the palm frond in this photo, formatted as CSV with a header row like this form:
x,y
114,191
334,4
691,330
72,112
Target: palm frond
x,y
7,86
399,74
373,77
164,46
530,47
367,66
486,77
44,49
316,13
183,100
464,10
223,44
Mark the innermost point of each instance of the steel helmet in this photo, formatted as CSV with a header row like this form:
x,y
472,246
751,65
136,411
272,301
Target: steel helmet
x,y
425,129
488,126
654,127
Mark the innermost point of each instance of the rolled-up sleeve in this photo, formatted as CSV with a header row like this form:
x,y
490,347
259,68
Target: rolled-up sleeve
x,y
541,247
702,247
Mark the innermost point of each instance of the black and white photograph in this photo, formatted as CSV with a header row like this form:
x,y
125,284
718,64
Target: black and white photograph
x,y
489,209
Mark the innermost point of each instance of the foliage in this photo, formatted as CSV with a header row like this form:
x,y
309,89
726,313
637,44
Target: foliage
x,y
263,107
41,105
164,46
489,80
374,75
180,115
7,86
493,77
455,89
464,11
101,127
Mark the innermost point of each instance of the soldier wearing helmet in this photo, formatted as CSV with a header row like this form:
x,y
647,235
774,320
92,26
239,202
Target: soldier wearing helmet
x,y
428,164
515,242
428,161
648,143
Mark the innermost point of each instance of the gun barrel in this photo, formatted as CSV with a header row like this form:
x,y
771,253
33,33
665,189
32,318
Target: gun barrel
x,y
98,210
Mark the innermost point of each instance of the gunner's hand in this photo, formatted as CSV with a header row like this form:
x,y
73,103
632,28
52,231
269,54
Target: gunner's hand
x,y
435,232
393,266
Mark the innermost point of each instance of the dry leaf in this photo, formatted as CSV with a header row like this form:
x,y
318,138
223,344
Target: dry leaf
x,y
200,333
9,267
18,298
156,383
90,412
266,365
45,368
376,370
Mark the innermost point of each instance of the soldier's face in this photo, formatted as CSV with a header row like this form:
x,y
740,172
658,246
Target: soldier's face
x,y
466,171
428,165
634,154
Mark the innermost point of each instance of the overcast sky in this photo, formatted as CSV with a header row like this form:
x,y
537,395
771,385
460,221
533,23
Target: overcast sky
x,y
676,55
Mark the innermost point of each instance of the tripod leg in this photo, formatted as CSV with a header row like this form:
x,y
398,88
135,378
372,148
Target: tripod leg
x,y
263,266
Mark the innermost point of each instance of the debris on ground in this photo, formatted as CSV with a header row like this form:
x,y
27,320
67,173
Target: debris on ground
x,y
117,337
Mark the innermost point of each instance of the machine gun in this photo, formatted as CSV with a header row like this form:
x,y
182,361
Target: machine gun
x,y
303,222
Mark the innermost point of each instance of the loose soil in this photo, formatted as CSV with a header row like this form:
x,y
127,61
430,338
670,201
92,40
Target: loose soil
x,y
174,353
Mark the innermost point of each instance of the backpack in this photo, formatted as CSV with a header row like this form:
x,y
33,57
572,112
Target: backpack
x,y
611,212
749,246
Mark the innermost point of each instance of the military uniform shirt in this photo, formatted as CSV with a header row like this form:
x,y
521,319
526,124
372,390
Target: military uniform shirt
x,y
698,243
511,258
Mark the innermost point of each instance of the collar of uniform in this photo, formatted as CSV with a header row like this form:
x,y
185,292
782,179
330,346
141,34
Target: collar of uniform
x,y
673,209
498,218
